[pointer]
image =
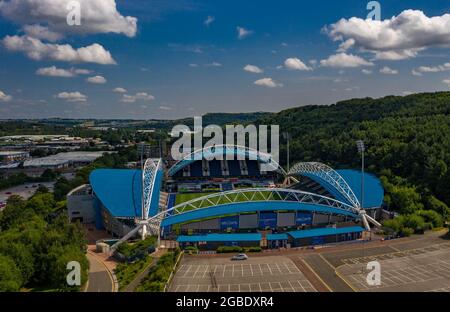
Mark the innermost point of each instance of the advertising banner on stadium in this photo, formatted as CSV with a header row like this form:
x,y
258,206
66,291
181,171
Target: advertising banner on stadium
x,y
267,219
229,223
304,218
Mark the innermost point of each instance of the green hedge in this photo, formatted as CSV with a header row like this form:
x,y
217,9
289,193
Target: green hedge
x,y
235,249
160,273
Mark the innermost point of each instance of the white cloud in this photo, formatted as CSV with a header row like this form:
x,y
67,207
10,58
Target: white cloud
x,y
72,96
294,63
143,96
447,82
209,20
37,50
52,71
4,97
120,90
431,69
253,69
41,32
366,72
165,108
400,37
193,65
243,33
81,71
343,60
47,19
268,82
96,80
388,71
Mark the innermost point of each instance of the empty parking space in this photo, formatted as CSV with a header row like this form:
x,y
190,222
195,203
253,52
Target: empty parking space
x,y
259,274
424,269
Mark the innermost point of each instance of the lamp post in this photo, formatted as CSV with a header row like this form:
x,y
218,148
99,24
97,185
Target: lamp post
x,y
361,148
287,137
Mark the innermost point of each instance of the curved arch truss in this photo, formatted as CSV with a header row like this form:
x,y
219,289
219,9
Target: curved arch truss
x,y
330,176
211,152
149,173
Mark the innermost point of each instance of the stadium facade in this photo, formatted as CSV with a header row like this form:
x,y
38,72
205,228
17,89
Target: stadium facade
x,y
204,202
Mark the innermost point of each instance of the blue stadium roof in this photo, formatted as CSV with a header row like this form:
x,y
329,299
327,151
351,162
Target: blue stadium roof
x,y
279,236
119,190
250,237
373,191
325,232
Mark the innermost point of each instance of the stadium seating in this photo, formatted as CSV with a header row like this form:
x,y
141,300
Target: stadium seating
x,y
235,171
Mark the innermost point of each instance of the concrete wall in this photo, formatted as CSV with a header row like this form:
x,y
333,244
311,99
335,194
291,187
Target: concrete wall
x,y
81,207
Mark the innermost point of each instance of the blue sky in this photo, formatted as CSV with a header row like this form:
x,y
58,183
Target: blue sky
x,y
170,64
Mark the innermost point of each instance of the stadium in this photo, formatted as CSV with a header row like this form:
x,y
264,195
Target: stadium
x,y
204,202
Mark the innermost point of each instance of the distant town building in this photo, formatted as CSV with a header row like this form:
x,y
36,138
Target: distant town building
x,y
8,158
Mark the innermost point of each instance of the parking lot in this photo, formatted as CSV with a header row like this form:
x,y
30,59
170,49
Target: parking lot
x,y
271,273
423,269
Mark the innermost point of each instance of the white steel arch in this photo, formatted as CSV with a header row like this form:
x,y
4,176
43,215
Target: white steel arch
x,y
329,175
225,149
149,172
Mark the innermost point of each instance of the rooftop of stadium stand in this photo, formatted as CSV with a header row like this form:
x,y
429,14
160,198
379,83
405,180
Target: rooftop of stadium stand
x,y
324,232
119,190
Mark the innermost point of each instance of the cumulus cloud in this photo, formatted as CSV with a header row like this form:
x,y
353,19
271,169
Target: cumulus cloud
x,y
388,71
41,32
72,96
165,108
447,82
120,90
96,80
209,20
143,96
52,71
431,69
294,63
366,72
268,82
344,60
243,33
253,69
47,19
400,37
38,50
4,97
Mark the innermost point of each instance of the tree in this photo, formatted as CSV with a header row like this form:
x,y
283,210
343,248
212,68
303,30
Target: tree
x,y
10,277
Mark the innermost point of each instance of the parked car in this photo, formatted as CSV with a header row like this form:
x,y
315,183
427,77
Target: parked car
x,y
240,257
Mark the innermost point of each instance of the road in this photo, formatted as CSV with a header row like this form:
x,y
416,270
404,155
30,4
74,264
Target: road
x,y
100,279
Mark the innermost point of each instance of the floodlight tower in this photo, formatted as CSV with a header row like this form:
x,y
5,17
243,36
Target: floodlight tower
x,y
361,148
